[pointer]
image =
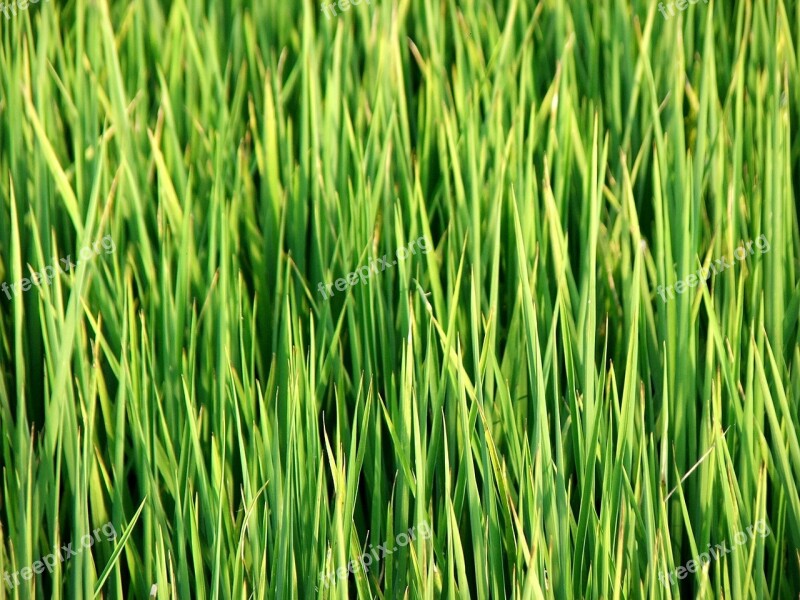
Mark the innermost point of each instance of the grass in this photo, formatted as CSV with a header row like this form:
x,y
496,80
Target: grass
x,y
522,387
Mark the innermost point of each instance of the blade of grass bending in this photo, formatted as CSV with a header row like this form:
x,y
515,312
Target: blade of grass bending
x,y
118,549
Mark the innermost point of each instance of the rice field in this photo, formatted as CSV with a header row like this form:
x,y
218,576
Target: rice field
x,y
399,299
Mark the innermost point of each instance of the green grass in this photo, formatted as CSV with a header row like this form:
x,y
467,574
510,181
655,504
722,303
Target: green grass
x,y
522,388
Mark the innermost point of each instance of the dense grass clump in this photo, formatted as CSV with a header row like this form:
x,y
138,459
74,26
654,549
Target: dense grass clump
x,y
583,381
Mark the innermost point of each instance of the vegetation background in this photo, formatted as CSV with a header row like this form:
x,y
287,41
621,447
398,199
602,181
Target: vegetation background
x,y
522,387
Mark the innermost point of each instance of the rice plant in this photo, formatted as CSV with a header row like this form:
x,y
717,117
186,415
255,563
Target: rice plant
x,y
570,368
